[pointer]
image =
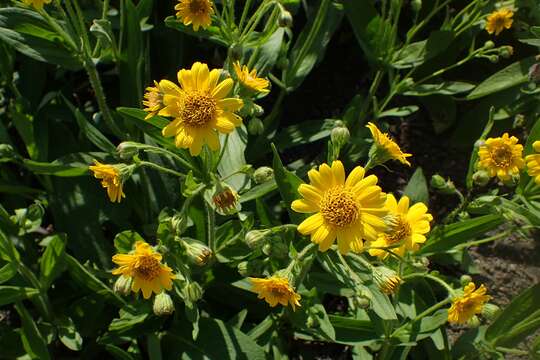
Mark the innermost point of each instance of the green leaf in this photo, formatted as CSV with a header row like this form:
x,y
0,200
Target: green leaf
x,y
259,191
125,241
154,347
417,53
68,334
211,33
33,342
7,272
10,294
304,133
67,166
288,184
269,52
510,76
518,320
353,331
118,353
51,262
444,88
417,189
401,111
233,159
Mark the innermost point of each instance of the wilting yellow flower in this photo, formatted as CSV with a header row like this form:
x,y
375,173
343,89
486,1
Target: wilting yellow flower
x,y
387,280
38,4
501,157
276,290
498,20
195,12
145,267
386,148
153,100
200,108
225,200
110,179
407,229
350,209
249,78
533,163
470,303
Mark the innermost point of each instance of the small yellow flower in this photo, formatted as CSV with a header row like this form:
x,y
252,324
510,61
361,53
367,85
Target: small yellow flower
x,y
153,100
498,20
144,266
200,108
533,163
276,290
408,227
249,78
195,12
110,179
350,209
38,4
501,157
470,303
386,148
387,280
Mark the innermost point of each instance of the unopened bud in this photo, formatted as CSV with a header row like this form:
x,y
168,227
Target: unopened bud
x,y
6,151
387,280
534,73
493,58
490,311
519,121
127,150
285,19
253,268
178,223
474,322
506,51
416,5
312,322
512,181
163,304
256,238
489,45
441,185
340,135
197,252
465,279
276,249
225,200
255,126
480,178
258,110
263,174
362,302
122,285
193,292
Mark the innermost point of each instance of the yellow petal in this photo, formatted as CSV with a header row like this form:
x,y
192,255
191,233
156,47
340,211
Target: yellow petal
x,y
223,89
310,224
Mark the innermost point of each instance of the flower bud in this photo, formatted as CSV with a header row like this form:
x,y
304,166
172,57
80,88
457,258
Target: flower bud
x,y
193,292
441,185
512,181
387,280
493,58
263,174
197,252
225,200
362,302
252,268
534,73
127,150
465,279
340,135
255,126
489,45
276,249
312,322
178,223
416,5
480,178
258,110
506,51
163,304
490,311
257,238
6,151
474,322
519,121
122,285
285,19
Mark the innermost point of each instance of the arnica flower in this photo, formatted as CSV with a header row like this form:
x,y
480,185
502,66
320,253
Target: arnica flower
x,y
153,100
407,230
350,209
499,20
144,266
195,12
501,157
387,280
200,108
384,148
533,163
111,179
276,290
38,4
464,307
225,200
249,78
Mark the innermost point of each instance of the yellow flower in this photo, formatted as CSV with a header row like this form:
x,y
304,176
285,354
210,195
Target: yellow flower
x,y
145,267
200,108
153,100
276,290
249,78
387,280
385,147
196,12
38,4
350,209
110,179
501,157
470,303
533,163
408,229
498,20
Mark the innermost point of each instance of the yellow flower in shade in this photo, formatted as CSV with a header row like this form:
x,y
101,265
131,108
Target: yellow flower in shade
x,y
350,209
385,148
145,267
153,100
276,290
501,157
110,179
195,12
499,20
407,230
38,4
249,78
533,163
200,108
464,307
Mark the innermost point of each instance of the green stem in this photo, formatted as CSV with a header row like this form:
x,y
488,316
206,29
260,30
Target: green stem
x,y
432,278
222,152
245,11
210,226
160,168
512,351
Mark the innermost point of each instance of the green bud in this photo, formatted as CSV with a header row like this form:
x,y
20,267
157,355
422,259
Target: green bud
x,y
197,252
312,322
6,151
285,19
250,268
512,181
163,304
387,280
258,110
493,58
519,121
256,238
340,135
263,174
255,126
465,279
474,322
122,285
481,178
193,292
441,185
490,311
276,249
416,5
489,45
362,302
127,150
506,51
421,263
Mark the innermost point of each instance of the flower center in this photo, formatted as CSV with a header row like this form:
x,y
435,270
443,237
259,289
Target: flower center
x,y
147,267
198,7
199,109
338,207
502,156
400,231
279,291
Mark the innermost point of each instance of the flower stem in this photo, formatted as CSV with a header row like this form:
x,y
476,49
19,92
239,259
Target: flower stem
x,y
160,168
210,226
